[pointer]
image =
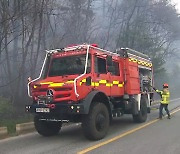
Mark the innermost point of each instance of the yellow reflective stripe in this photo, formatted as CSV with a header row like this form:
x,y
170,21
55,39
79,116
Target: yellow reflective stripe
x,y
42,83
70,81
134,60
109,84
92,83
84,80
103,81
115,82
96,84
120,85
140,62
56,85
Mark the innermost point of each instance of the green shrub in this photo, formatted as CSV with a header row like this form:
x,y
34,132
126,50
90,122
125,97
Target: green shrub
x,y
9,117
6,108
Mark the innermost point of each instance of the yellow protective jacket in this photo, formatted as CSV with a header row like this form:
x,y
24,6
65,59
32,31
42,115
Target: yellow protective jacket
x,y
165,95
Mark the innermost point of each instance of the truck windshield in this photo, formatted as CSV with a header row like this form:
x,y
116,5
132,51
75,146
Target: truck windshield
x,y
69,65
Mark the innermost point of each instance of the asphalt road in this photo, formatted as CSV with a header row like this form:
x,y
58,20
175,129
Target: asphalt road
x,y
155,136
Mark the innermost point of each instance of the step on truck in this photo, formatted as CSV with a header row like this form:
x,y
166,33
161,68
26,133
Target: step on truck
x,y
89,85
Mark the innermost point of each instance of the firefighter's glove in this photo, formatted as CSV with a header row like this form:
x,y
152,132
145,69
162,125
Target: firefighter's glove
x,y
154,88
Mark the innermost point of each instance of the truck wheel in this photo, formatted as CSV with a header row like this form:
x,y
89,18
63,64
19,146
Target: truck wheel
x,y
142,115
46,128
95,125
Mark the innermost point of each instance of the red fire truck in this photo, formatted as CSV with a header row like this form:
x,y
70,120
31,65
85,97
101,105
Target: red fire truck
x,y
84,83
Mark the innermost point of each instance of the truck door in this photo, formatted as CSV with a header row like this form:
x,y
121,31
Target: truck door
x,y
100,79
116,78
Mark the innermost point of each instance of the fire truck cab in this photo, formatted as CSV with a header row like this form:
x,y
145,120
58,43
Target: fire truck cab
x,y
84,83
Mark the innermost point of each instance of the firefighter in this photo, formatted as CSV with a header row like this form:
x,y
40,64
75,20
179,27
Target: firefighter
x,y
165,95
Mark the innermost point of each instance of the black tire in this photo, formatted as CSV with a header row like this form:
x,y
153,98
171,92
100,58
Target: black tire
x,y
46,128
142,114
96,124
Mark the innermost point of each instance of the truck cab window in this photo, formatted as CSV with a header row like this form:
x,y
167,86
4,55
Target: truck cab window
x,y
100,66
116,69
69,65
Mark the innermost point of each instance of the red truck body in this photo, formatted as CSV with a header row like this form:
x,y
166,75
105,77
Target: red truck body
x,y
74,79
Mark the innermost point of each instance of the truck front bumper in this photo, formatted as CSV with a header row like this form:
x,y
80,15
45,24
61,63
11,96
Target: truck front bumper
x,y
55,109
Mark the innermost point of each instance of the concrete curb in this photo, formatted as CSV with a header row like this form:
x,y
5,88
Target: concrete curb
x,y
25,127
3,132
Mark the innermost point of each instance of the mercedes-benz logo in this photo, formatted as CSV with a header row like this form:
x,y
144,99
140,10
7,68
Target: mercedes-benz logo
x,y
50,93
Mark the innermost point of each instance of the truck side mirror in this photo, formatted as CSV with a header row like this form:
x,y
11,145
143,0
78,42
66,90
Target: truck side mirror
x,y
88,81
109,61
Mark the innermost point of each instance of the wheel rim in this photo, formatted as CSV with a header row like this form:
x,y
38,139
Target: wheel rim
x,y
100,122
